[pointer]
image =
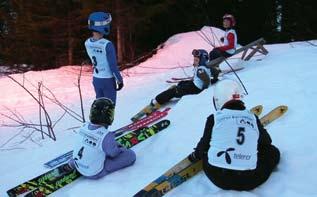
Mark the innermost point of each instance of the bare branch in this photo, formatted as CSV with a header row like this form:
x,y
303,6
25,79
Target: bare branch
x,y
65,108
10,139
22,86
60,118
40,110
20,122
80,95
28,136
9,149
74,128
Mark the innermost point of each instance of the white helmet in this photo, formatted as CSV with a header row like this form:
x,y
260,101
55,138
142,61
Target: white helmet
x,y
226,90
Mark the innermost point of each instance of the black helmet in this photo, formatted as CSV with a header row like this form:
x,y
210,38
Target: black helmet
x,y
102,111
202,54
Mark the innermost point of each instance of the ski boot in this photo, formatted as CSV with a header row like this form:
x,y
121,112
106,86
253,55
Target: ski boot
x,y
152,107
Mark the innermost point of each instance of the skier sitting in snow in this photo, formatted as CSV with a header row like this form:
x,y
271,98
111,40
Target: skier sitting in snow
x,y
235,148
97,153
107,79
229,40
203,77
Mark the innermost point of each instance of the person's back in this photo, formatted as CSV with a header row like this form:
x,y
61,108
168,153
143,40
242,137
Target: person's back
x,y
97,51
89,154
234,140
96,151
236,149
107,79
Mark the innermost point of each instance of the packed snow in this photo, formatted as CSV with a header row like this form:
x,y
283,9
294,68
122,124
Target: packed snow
x,y
285,76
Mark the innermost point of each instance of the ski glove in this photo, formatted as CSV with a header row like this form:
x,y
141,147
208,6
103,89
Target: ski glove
x,y
202,75
119,86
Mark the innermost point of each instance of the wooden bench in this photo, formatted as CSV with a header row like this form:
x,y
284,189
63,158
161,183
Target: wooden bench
x,y
256,46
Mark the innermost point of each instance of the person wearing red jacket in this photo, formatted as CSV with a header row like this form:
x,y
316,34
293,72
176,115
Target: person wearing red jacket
x,y
229,40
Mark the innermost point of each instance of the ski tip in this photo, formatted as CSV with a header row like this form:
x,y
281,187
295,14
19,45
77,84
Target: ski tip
x,y
133,119
283,109
164,123
257,109
141,193
167,109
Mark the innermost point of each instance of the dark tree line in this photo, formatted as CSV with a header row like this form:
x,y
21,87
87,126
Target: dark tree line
x,y
51,33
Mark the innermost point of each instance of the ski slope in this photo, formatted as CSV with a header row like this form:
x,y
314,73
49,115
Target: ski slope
x,y
285,76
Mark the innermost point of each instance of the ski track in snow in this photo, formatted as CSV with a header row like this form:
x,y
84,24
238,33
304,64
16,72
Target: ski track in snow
x,y
285,76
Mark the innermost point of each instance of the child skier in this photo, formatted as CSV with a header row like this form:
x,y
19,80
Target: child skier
x,y
230,40
96,152
203,77
106,77
235,148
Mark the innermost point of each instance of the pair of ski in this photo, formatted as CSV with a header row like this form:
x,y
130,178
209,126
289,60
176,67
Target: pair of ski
x,y
58,177
223,72
155,116
186,169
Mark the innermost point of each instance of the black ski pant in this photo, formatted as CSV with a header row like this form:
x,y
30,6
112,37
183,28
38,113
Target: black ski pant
x,y
248,179
183,88
215,53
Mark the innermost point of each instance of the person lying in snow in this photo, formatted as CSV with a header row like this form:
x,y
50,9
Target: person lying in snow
x,y
203,77
236,149
96,152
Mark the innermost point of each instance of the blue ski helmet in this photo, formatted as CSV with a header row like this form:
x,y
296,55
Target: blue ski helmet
x,y
100,22
202,54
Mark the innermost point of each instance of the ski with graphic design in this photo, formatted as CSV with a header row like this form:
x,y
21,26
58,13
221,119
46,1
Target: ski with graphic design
x,y
57,178
144,121
146,111
44,181
184,163
59,160
186,169
157,115
151,108
134,137
274,114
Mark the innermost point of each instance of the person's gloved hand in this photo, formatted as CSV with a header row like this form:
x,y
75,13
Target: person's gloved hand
x,y
119,86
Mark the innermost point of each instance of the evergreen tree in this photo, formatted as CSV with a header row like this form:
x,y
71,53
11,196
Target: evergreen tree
x,y
51,33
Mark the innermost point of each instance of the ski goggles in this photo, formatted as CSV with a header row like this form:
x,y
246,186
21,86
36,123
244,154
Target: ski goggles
x,y
99,23
196,53
199,53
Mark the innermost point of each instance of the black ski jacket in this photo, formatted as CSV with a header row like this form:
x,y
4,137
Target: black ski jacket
x,y
203,146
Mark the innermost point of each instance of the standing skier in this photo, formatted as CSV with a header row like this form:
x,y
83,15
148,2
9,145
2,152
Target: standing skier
x,y
230,40
106,77
96,152
203,77
235,148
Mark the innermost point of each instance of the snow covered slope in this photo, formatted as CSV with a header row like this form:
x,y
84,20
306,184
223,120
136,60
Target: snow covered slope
x,y
285,76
